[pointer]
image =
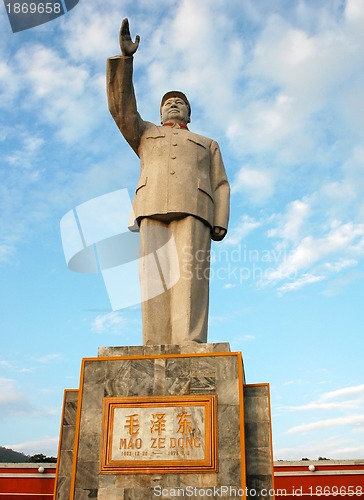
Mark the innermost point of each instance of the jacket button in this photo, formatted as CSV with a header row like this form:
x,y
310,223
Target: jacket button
x,y
172,172
173,157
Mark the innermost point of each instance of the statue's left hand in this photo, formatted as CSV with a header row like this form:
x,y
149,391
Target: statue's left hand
x,y
128,47
218,233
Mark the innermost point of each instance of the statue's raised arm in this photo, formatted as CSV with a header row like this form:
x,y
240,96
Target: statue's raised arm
x,y
120,89
128,47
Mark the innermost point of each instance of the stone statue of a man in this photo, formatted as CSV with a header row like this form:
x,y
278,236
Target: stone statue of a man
x,y
182,192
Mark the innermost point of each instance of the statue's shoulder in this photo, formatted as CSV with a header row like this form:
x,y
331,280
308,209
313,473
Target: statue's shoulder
x,y
200,139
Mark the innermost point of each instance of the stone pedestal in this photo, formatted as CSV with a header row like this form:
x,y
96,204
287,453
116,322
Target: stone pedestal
x,y
165,421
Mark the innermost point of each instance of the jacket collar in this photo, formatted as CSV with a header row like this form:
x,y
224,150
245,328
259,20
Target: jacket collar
x,y
176,125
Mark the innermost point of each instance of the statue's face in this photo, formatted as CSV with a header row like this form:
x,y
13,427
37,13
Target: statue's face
x,y
175,110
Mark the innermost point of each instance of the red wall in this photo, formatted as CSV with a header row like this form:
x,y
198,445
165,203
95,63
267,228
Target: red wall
x,y
24,481
330,480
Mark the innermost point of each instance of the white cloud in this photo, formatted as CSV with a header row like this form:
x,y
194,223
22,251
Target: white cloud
x,y
325,400
304,280
345,405
7,92
331,422
8,394
286,55
296,123
65,95
290,227
292,382
47,446
255,185
354,13
111,322
345,391
245,338
312,75
5,252
5,363
314,259
197,59
340,264
309,67
14,403
24,157
336,447
244,226
319,406
90,33
49,358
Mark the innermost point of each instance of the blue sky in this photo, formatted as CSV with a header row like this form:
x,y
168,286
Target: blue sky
x,y
280,86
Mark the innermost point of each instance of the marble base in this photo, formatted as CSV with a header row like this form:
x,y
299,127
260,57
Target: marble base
x,y
244,442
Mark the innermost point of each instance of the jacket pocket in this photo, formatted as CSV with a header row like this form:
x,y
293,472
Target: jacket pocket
x,y
154,133
203,186
141,184
198,143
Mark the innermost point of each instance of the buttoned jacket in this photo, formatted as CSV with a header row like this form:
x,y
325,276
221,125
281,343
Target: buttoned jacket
x,y
180,172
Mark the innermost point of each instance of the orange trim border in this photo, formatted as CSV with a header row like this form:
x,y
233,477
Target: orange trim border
x,y
65,392
150,466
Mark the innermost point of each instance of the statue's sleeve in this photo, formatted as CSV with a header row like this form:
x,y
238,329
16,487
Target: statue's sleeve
x,y
122,101
220,188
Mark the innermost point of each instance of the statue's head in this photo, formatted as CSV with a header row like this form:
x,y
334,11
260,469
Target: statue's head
x,y
175,108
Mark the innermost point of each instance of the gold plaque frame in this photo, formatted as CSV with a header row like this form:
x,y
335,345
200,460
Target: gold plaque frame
x,y
188,448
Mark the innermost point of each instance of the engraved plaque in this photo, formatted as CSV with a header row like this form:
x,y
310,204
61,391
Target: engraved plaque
x,y
159,434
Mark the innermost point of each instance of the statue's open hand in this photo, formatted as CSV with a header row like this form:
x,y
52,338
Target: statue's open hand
x,y
218,233
128,47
